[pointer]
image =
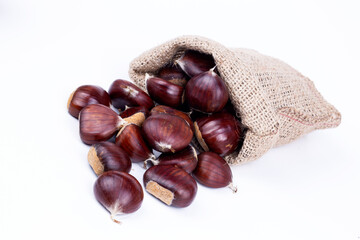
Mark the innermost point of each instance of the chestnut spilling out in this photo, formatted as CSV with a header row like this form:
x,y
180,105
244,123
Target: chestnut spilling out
x,y
185,115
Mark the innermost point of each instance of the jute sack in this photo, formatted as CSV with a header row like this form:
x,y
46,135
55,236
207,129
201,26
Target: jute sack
x,y
275,102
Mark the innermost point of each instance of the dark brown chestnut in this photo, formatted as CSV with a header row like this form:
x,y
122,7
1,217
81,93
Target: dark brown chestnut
x,y
86,95
165,92
171,185
213,171
129,111
124,93
206,92
99,123
173,74
194,62
185,159
119,193
130,139
167,133
106,156
219,133
161,109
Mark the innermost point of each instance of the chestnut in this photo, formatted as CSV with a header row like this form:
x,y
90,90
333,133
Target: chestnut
x,y
118,192
194,62
106,156
99,123
165,92
219,133
213,171
86,95
185,159
206,92
124,93
129,111
130,139
171,185
161,109
167,133
173,74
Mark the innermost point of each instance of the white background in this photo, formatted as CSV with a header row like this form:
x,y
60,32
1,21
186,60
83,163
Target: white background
x,y
308,189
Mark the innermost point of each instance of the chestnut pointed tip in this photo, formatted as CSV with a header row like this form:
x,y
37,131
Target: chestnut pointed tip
x,y
112,216
233,187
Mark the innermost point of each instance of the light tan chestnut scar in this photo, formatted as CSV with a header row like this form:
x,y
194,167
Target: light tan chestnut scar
x,y
160,192
95,162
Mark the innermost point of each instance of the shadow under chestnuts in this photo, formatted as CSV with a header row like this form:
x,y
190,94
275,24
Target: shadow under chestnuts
x,y
186,102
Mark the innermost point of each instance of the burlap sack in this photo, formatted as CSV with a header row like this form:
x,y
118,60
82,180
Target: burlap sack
x,y
274,101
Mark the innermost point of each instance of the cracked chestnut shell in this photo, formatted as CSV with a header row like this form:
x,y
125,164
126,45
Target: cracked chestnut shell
x,y
86,95
130,139
167,133
106,156
194,62
124,93
118,192
99,123
172,185
165,92
213,171
206,92
219,133
185,159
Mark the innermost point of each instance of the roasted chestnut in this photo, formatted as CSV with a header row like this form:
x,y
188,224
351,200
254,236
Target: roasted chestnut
x,y
99,123
130,139
119,193
206,92
219,133
86,95
171,185
194,62
124,93
165,92
185,159
213,171
167,133
106,156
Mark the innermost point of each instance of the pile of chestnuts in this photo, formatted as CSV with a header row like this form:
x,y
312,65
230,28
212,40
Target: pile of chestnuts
x,y
186,102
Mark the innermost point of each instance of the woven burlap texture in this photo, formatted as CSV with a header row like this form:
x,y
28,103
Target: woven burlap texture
x,y
274,101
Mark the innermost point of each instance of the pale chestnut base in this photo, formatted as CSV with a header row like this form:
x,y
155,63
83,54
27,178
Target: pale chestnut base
x,y
94,161
160,192
200,138
69,100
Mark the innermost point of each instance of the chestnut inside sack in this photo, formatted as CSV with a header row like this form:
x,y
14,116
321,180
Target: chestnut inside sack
x,y
275,102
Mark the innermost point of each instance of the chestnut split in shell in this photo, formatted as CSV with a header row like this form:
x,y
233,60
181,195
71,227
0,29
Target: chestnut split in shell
x,y
118,192
206,92
213,171
106,156
86,95
124,93
171,185
167,133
